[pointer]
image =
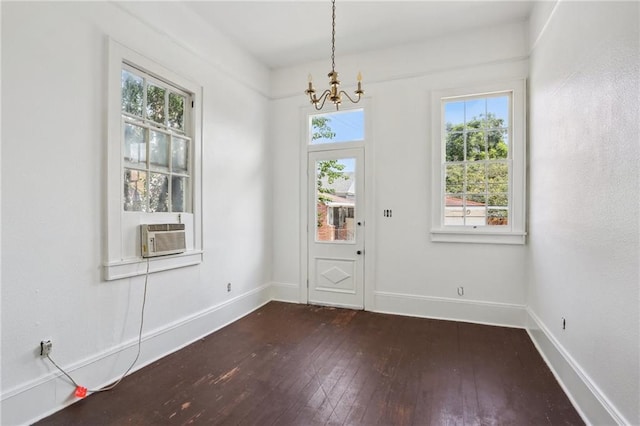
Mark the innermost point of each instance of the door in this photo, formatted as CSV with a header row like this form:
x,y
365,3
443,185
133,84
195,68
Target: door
x,y
335,221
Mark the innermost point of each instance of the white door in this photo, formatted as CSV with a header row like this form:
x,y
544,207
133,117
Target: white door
x,y
336,228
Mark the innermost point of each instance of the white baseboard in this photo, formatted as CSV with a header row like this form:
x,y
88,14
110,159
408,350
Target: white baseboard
x,y
39,398
475,311
285,292
592,405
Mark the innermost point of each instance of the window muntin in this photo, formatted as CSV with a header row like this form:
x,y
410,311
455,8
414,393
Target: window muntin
x,y
476,164
156,150
346,126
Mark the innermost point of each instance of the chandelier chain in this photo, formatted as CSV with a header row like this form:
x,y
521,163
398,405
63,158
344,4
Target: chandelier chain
x,y
333,36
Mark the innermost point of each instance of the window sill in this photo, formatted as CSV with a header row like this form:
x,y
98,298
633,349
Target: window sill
x,y
477,237
138,265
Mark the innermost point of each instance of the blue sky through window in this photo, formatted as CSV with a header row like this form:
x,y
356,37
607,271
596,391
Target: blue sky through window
x,y
347,125
457,112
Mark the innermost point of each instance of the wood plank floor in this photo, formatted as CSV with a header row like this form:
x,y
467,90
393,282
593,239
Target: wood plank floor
x,y
288,364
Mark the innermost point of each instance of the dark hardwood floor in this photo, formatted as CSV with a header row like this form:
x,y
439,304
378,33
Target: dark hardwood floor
x,y
288,364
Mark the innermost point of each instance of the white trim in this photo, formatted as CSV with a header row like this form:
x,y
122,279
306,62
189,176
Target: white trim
x,y
51,391
138,266
444,308
587,398
285,292
515,232
369,221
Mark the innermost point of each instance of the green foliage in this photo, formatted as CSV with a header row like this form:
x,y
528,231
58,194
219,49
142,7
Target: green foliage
x,y
476,149
321,129
329,170
478,170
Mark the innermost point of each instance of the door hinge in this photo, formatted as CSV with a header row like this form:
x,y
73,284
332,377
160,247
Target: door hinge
x,y
192,104
307,282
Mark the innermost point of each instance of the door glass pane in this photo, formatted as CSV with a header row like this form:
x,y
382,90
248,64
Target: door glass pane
x,y
335,200
339,126
158,150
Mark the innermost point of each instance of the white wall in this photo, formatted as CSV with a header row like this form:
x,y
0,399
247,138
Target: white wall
x,y
412,275
53,208
584,256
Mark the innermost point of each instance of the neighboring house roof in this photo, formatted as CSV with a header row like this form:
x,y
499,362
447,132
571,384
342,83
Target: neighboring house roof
x,y
342,186
337,201
458,202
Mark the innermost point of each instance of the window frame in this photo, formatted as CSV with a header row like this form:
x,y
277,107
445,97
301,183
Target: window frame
x,y
514,232
122,243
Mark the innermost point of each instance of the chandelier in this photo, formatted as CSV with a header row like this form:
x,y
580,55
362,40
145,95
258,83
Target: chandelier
x,y
334,94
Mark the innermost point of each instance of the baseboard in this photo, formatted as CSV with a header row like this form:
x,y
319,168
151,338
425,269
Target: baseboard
x,y
475,311
39,398
285,292
594,407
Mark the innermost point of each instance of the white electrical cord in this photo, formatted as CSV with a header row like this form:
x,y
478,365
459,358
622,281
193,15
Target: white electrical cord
x,y
108,388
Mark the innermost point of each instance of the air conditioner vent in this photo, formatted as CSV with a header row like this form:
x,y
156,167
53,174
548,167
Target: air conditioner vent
x,y
162,239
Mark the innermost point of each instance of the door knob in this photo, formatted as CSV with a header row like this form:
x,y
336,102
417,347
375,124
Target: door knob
x,y
359,223
359,252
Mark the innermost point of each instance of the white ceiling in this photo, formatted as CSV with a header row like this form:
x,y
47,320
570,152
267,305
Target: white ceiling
x,y
284,33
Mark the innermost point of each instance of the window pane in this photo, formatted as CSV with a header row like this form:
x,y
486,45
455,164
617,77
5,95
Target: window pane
x,y
132,93
135,147
454,176
475,213
498,216
498,177
476,149
135,190
475,113
497,144
179,194
340,126
454,209
336,199
155,103
176,111
498,111
159,150
159,193
180,155
454,149
454,116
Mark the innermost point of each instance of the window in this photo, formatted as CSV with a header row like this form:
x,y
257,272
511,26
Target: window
x,y
156,144
335,127
479,165
154,160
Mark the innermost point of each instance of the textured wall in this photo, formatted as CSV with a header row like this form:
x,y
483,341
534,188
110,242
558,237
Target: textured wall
x,y
584,202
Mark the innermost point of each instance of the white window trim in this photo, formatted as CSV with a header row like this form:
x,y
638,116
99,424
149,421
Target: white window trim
x,y
122,228
515,232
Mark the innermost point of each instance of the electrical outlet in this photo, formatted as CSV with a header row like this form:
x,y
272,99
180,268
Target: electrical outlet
x,y
460,291
228,287
45,347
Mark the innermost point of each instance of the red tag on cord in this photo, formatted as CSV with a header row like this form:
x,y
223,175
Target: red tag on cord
x,y
81,391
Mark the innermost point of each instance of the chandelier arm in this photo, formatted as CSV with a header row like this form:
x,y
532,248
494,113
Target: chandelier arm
x,y
322,98
342,92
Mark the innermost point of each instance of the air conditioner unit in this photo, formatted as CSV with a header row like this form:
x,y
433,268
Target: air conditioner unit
x,y
162,239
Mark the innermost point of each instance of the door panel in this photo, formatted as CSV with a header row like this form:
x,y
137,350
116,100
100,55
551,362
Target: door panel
x,y
336,228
